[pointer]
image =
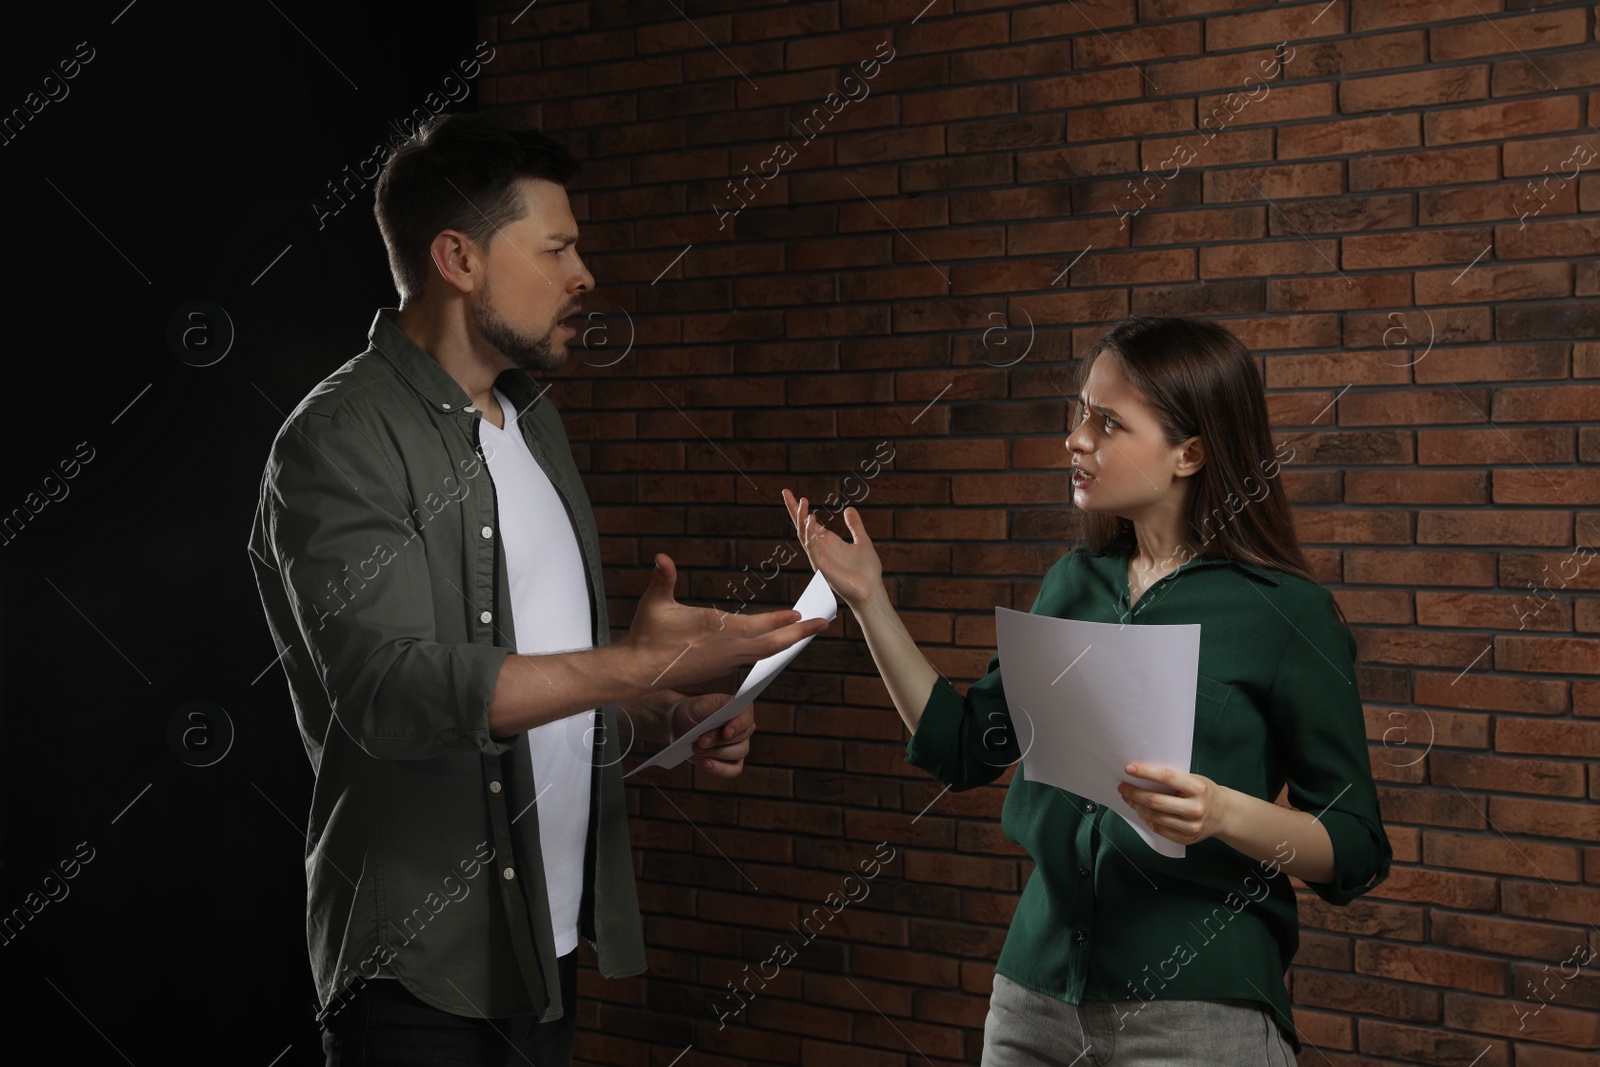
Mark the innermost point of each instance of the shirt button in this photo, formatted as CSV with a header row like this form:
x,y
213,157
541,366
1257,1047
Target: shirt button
x,y
1089,807
485,617
509,874
488,531
445,406
1083,872
1080,937
494,787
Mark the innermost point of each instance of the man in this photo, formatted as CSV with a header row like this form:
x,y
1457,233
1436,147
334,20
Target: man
x,y
430,568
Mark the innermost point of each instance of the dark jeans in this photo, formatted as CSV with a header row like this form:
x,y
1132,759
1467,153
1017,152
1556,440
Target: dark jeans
x,y
385,1025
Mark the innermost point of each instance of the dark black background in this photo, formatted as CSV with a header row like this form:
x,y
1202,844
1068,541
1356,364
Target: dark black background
x,y
195,141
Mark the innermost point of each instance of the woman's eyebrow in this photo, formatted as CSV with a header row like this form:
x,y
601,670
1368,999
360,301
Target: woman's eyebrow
x,y
563,238
1101,408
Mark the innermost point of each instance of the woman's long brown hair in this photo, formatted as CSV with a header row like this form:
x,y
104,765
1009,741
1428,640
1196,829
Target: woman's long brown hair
x,y
1199,379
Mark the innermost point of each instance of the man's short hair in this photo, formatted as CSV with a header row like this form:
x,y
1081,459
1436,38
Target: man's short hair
x,y
459,173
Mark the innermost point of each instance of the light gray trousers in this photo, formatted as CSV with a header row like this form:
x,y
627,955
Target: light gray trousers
x,y
1028,1029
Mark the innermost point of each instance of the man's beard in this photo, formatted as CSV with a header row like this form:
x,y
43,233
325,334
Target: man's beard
x,y
528,353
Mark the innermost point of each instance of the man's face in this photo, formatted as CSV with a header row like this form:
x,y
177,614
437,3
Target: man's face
x,y
533,280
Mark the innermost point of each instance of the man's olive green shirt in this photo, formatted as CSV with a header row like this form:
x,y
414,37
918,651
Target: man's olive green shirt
x,y
1106,917
377,554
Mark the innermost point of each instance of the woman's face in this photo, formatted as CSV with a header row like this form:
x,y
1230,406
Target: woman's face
x,y
1116,440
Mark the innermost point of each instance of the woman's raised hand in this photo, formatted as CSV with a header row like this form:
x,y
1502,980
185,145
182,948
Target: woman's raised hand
x,y
851,568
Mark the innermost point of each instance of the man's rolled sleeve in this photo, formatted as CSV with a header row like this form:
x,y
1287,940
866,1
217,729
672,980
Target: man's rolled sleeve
x,y
356,578
1317,715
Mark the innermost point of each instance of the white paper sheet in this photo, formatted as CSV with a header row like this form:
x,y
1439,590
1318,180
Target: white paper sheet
x,y
817,602
1088,698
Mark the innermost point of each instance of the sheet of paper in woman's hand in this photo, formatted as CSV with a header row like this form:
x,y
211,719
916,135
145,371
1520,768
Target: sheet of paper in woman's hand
x,y
1088,698
817,602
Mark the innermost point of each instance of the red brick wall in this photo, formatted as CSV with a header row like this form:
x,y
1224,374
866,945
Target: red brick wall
x,y
1365,216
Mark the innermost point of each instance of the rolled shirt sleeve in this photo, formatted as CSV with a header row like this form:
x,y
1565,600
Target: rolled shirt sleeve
x,y
965,742
356,580
1317,716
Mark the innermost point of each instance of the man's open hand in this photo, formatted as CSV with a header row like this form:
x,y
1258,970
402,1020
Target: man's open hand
x,y
677,644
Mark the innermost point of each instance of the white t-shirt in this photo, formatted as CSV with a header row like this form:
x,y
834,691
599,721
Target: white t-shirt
x,y
550,610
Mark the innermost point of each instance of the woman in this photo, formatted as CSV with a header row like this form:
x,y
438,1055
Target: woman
x,y
1117,954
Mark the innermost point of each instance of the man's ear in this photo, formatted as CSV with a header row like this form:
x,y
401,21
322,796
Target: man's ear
x,y
1192,458
458,262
